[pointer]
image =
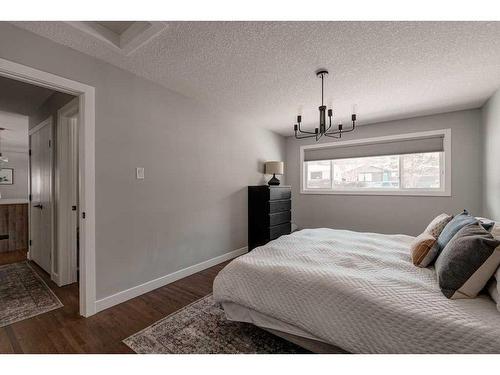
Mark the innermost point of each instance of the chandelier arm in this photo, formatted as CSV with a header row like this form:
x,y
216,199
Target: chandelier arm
x,y
332,135
304,136
329,126
336,131
304,131
350,130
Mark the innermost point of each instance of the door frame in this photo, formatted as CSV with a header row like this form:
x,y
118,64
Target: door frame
x,y
86,141
47,122
65,227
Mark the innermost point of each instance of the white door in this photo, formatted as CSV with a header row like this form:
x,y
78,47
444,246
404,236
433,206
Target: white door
x,y
41,191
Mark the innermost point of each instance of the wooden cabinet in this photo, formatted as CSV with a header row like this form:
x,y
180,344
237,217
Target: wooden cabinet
x,y
13,227
269,214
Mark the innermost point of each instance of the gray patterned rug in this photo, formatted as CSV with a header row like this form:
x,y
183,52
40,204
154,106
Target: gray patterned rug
x,y
23,294
201,328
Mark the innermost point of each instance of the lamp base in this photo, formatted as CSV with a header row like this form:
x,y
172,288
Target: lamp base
x,y
273,181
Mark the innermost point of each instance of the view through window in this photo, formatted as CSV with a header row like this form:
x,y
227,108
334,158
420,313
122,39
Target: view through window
x,y
421,171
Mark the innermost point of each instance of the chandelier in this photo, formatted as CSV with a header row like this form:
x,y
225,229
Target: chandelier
x,y
323,130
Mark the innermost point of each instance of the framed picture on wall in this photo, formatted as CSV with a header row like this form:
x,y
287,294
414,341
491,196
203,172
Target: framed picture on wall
x,y
7,176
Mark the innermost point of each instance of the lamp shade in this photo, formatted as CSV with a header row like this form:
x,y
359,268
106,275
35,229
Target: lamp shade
x,y
274,167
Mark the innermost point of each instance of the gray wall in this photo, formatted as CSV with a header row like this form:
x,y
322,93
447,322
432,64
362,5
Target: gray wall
x,y
491,149
49,108
18,161
192,206
397,214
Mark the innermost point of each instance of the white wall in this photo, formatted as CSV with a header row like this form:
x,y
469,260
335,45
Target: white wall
x,y
192,206
15,147
18,161
396,214
491,154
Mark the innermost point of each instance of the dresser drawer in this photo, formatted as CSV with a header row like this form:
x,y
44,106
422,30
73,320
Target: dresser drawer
x,y
280,218
279,230
279,206
280,193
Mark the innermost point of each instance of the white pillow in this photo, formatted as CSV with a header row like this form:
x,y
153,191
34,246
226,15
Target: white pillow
x,y
437,225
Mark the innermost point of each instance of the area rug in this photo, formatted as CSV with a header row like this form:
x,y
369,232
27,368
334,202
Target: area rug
x,y
202,328
23,294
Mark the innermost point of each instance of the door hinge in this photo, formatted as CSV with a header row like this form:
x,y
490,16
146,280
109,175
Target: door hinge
x,y
31,242
50,142
29,152
83,215
30,197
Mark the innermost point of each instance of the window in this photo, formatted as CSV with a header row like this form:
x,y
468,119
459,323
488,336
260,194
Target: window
x,y
337,169
319,175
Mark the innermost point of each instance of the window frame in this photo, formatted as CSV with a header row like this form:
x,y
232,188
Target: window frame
x,y
445,162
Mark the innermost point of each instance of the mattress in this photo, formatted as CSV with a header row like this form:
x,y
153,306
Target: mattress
x,y
357,291
240,313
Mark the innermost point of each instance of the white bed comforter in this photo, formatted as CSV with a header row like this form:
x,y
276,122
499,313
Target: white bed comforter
x,y
358,291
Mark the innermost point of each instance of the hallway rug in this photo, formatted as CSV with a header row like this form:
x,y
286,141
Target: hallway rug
x,y
23,294
202,328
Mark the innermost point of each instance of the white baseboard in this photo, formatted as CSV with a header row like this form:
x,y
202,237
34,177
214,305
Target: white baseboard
x,y
136,291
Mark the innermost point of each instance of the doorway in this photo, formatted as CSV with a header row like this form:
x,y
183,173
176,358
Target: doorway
x,y
86,169
29,285
54,194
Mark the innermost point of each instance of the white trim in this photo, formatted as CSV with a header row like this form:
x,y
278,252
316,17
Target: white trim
x,y
86,96
137,35
65,187
445,191
115,299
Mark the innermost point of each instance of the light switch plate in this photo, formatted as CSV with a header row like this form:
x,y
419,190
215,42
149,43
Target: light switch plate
x,y
139,173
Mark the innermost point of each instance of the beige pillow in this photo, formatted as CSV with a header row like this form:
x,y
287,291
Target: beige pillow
x,y
424,250
437,225
493,291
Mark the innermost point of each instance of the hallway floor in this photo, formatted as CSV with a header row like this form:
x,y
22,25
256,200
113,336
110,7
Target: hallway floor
x,y
65,331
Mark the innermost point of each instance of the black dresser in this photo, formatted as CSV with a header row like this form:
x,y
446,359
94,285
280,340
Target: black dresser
x,y
269,214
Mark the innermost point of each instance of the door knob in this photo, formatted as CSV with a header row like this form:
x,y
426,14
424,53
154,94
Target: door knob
x,y
38,206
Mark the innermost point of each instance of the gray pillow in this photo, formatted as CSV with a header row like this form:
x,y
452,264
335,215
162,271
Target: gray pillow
x,y
457,223
467,262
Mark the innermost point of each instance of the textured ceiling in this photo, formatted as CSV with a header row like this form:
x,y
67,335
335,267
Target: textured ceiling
x,y
17,101
21,98
262,73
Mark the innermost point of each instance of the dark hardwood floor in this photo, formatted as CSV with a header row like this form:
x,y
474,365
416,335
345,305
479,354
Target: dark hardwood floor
x,y
64,331
12,257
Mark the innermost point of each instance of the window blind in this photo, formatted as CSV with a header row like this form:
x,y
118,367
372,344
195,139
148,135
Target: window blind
x,y
434,143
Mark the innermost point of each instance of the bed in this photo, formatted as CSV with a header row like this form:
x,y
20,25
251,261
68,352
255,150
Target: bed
x,y
355,291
